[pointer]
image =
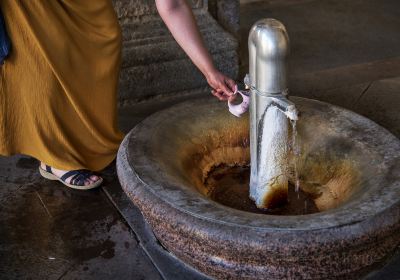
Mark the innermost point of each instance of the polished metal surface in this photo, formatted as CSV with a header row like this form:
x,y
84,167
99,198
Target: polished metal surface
x,y
268,48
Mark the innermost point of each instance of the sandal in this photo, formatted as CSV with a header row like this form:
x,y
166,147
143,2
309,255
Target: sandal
x,y
77,181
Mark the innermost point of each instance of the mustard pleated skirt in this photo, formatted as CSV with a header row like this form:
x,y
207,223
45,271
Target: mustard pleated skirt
x,y
58,88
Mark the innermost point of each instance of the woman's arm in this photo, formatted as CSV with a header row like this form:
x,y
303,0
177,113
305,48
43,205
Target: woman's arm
x,y
179,19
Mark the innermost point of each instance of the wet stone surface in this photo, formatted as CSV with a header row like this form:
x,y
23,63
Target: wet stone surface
x,y
51,232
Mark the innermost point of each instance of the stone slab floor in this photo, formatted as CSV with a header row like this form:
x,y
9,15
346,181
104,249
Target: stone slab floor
x,y
343,52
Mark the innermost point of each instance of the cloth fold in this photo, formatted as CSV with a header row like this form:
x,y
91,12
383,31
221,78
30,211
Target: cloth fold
x,y
58,94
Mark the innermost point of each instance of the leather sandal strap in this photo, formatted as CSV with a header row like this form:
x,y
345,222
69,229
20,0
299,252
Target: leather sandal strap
x,y
69,174
79,179
75,178
78,176
48,169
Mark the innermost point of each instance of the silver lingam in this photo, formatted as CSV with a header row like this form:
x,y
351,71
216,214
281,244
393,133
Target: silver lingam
x,y
269,112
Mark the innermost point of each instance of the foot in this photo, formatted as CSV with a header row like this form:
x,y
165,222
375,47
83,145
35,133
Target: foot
x,y
59,173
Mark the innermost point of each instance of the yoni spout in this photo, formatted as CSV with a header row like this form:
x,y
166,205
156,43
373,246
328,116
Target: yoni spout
x,y
269,113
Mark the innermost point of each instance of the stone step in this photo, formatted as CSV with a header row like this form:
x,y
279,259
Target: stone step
x,y
154,64
136,10
155,27
152,42
143,81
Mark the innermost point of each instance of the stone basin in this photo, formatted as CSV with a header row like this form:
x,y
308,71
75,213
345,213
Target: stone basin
x,y
171,166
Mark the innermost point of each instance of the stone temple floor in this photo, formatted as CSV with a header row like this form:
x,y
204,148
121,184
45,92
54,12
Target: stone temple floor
x,y
343,52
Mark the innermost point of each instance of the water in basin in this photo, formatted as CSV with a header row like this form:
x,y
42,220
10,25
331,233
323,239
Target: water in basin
x,y
230,187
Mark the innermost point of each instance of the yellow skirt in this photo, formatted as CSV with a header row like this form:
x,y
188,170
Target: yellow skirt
x,y
58,88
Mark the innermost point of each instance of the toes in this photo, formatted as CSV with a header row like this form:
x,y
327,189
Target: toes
x,y
94,178
81,179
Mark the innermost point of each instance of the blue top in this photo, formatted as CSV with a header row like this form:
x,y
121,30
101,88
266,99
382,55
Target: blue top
x,y
5,44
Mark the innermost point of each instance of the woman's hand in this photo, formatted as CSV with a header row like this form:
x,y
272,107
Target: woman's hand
x,y
222,87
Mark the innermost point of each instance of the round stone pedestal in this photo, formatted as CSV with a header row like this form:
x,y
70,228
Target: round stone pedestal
x,y
349,166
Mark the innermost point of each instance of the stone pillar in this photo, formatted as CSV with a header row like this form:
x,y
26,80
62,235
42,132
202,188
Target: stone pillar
x,y
152,62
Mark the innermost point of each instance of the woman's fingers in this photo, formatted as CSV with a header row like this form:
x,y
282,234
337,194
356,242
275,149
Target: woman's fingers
x,y
217,95
226,89
220,94
223,87
231,84
227,85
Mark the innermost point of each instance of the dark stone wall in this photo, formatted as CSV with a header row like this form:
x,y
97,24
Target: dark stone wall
x,y
227,13
152,62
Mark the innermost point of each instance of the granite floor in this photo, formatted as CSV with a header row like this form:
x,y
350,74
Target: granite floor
x,y
343,52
